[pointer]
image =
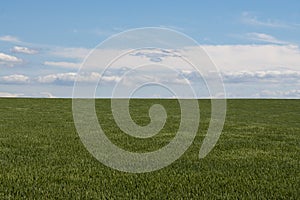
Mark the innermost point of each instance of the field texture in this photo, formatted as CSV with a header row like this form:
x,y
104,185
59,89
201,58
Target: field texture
x,y
257,155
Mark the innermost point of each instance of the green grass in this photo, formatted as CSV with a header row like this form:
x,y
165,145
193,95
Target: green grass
x,y
257,155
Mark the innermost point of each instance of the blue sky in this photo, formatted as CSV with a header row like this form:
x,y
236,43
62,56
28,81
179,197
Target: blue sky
x,y
79,23
48,40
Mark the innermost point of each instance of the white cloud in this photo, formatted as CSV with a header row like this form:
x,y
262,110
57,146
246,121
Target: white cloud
x,y
254,57
9,38
265,38
226,57
8,58
76,53
293,93
25,50
47,95
267,76
108,79
60,77
7,94
253,77
250,19
112,76
155,55
14,79
63,64
71,77
131,58
253,66
33,95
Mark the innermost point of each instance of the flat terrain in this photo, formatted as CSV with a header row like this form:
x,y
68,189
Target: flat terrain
x,y
257,155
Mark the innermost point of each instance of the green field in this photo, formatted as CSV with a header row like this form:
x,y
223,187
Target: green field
x,y
257,155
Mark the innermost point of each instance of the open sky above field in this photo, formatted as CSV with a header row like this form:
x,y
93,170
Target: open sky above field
x,y
255,44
